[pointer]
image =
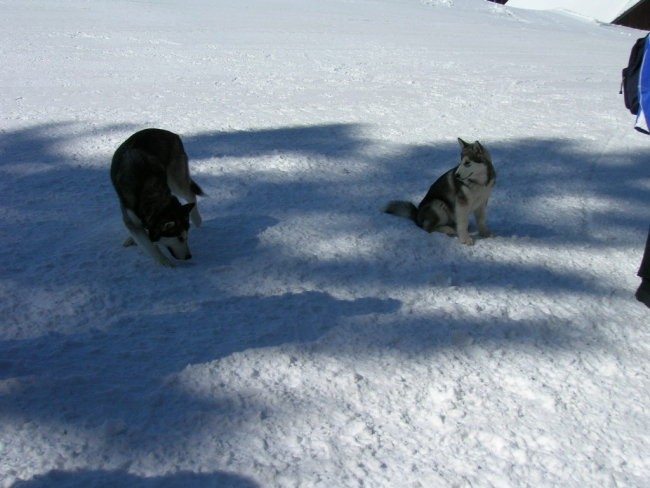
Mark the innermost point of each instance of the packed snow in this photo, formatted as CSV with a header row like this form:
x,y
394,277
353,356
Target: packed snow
x,y
314,341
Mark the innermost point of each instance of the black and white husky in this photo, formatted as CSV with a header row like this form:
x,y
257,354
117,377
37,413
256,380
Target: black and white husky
x,y
457,193
147,171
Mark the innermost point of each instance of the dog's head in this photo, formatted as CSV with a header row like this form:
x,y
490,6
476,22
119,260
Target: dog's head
x,y
475,163
170,229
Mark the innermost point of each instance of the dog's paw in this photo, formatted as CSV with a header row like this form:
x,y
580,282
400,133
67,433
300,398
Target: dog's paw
x,y
166,262
468,241
445,229
129,242
485,233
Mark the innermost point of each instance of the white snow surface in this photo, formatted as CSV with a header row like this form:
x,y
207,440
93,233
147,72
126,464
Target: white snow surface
x,y
314,341
602,10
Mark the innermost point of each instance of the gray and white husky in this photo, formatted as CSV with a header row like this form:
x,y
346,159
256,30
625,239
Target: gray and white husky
x,y
457,193
147,171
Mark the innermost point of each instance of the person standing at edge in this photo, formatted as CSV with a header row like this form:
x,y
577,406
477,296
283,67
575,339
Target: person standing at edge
x,y
636,88
643,292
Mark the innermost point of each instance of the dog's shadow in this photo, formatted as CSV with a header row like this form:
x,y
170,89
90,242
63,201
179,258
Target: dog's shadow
x,y
522,230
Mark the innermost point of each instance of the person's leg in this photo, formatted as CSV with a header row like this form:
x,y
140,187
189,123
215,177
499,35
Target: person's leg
x,y
643,292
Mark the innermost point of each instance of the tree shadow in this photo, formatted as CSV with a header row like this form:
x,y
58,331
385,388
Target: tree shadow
x,y
70,209
98,330
538,181
463,334
141,349
335,139
113,479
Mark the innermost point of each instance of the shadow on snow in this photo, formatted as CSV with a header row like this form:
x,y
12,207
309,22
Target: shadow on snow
x,y
112,479
106,359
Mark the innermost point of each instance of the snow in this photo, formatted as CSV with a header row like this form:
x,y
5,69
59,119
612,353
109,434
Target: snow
x,y
602,10
314,341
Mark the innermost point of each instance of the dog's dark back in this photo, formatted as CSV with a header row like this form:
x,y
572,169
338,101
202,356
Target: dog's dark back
x,y
159,143
143,157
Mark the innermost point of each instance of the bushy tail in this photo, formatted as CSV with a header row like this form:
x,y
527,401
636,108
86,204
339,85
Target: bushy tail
x,y
196,189
402,209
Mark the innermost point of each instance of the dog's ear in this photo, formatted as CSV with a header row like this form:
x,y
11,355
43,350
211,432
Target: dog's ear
x,y
482,151
462,143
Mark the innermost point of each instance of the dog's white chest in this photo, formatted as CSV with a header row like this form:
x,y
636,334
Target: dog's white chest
x,y
478,196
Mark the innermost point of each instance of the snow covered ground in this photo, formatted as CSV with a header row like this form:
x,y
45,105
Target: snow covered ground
x,y
601,10
314,341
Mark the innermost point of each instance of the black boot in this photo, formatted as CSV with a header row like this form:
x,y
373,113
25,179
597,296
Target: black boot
x,y
643,293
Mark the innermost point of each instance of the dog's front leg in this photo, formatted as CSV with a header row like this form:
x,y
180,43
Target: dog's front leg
x,y
140,238
462,224
143,241
481,217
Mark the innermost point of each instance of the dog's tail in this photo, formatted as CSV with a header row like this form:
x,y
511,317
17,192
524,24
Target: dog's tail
x,y
403,209
196,189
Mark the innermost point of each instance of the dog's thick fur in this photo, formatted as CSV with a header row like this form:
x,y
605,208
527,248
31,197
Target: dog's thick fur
x,y
147,171
457,193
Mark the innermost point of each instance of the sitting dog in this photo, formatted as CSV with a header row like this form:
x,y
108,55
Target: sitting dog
x,y
457,193
147,170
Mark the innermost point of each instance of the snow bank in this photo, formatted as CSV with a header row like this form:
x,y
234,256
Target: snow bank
x,y
602,10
